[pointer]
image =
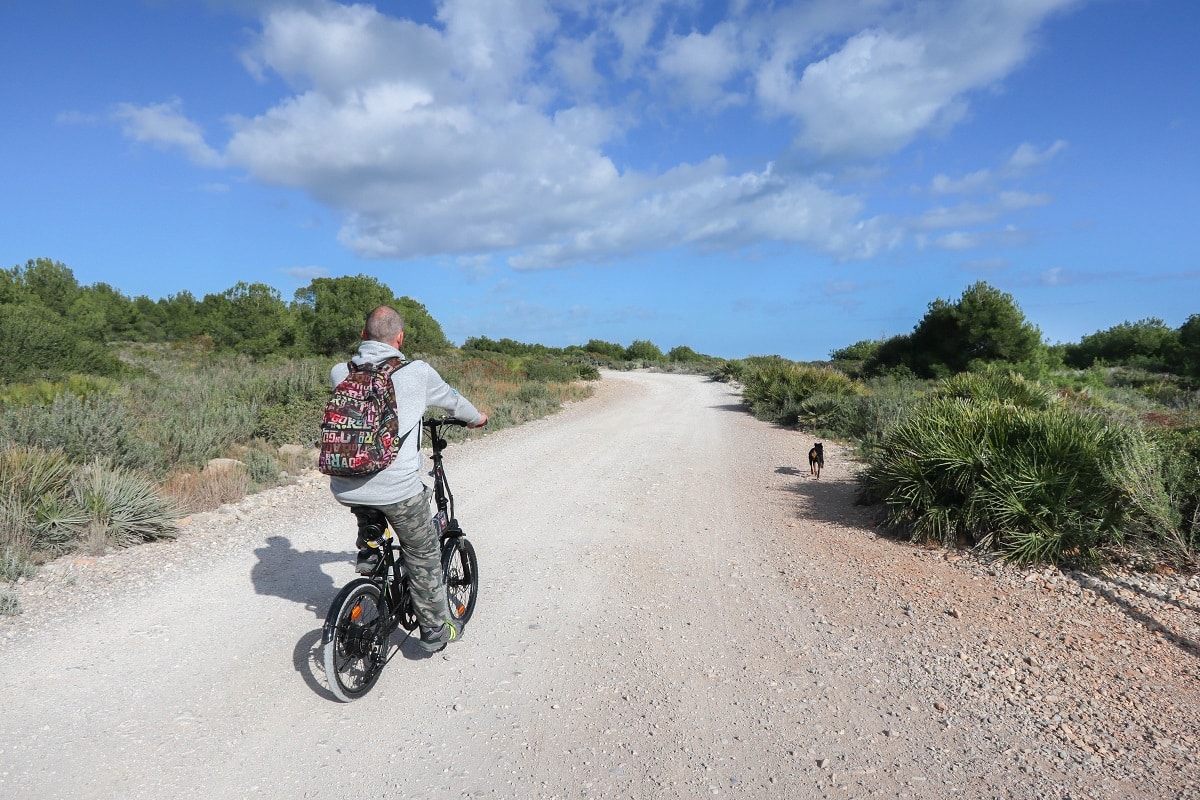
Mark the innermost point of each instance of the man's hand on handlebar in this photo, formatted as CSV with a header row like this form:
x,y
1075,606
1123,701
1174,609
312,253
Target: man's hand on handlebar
x,y
481,423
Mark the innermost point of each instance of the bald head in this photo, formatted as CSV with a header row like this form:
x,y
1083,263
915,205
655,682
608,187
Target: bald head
x,y
384,324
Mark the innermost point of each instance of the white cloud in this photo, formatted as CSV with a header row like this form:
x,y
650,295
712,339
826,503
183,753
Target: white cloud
x,y
575,62
906,74
1008,236
494,129
968,184
164,125
700,65
967,214
1028,157
876,70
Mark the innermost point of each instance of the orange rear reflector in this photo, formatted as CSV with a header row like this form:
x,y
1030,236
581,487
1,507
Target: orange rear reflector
x,y
356,613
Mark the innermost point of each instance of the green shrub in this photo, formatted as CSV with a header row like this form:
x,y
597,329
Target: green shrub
x,y
1181,472
38,343
728,371
122,507
547,370
290,397
102,425
778,391
1036,484
996,387
262,466
14,566
34,515
49,505
43,392
193,411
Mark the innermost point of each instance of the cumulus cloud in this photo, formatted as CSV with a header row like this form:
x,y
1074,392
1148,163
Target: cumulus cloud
x,y
164,125
909,72
701,65
494,127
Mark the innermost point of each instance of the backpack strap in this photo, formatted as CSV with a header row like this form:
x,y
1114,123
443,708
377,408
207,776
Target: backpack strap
x,y
385,367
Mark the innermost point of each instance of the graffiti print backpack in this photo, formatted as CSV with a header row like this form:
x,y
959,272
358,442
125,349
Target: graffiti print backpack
x,y
359,433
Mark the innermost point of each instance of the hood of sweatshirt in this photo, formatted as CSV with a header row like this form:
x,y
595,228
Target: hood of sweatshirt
x,y
372,352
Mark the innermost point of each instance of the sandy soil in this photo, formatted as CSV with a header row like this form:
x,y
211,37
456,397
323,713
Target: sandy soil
x,y
671,607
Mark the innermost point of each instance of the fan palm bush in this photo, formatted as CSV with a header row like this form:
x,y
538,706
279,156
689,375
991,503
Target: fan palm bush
x,y
786,392
49,505
1008,469
121,507
35,515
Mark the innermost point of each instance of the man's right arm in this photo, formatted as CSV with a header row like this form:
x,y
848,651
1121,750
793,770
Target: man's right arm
x,y
440,394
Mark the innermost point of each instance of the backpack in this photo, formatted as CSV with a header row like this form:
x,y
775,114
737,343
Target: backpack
x,y
359,433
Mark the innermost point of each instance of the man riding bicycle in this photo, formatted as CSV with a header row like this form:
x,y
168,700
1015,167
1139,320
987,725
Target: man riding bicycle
x,y
397,490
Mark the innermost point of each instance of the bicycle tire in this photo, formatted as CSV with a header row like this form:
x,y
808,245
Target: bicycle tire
x,y
355,650
461,571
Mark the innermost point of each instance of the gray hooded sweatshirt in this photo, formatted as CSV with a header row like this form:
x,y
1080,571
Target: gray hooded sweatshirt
x,y
418,387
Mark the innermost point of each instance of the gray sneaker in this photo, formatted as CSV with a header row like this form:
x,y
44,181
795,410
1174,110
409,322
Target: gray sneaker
x,y
435,639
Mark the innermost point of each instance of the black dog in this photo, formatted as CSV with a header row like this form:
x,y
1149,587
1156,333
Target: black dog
x,y
816,459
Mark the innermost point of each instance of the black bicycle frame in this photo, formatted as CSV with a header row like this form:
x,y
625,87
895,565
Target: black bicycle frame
x,y
443,498
395,595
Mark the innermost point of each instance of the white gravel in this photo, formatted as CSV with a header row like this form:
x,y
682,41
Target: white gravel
x,y
671,607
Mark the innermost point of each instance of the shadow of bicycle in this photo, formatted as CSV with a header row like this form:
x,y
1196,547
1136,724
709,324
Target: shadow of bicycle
x,y
295,575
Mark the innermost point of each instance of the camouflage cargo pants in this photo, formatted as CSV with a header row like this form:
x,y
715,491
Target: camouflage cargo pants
x,y
421,550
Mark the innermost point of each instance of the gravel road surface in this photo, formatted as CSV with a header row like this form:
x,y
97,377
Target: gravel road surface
x,y
670,607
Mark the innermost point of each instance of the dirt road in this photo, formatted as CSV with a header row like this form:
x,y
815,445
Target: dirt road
x,y
671,607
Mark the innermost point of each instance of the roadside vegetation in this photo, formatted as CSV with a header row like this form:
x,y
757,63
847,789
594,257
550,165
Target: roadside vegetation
x,y
975,433
119,416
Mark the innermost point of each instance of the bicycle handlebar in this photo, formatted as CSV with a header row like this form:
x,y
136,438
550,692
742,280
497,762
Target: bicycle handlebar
x,y
433,422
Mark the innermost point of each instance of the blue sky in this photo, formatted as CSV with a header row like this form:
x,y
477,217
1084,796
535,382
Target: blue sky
x,y
740,177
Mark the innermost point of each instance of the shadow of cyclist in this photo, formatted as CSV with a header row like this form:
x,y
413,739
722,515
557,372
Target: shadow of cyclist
x,y
286,572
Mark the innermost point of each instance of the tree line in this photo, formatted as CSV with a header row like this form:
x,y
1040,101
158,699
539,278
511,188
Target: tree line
x,y
640,350
51,325
985,326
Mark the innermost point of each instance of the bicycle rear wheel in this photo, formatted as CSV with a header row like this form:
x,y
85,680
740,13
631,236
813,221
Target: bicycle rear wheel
x,y
462,578
354,641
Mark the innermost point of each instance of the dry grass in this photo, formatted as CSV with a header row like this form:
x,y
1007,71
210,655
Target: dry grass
x,y
207,489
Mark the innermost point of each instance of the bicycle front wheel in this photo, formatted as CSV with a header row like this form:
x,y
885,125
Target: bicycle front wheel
x,y
355,644
462,578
